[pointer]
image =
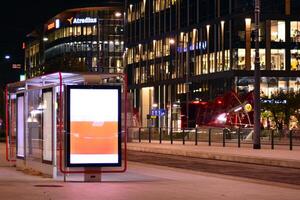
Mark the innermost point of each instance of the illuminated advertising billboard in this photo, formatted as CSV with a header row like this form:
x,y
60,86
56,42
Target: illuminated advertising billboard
x,y
20,126
93,126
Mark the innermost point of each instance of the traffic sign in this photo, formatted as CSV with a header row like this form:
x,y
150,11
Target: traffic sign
x,y
158,112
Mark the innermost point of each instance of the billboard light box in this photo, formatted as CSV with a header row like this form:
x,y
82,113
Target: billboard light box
x,y
93,126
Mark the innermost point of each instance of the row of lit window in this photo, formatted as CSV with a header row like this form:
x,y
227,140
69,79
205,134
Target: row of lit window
x,y
164,71
32,61
277,59
160,48
269,85
72,31
157,49
137,11
214,63
87,46
159,5
32,50
140,75
112,62
79,31
278,31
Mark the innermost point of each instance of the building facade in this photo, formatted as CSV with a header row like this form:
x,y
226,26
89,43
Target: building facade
x,y
185,50
81,39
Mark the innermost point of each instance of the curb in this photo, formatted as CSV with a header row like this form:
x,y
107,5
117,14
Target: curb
x,y
218,156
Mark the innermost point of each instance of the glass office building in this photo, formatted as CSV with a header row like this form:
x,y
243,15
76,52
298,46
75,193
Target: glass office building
x,y
78,40
185,50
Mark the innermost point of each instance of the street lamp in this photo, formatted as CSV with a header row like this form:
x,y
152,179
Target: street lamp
x,y
7,57
172,45
256,134
187,40
118,14
172,41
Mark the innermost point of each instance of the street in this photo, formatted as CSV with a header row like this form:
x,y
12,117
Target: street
x,y
246,170
147,181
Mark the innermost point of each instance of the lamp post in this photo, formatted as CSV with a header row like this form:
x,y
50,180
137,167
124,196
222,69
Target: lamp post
x,y
172,44
256,135
187,77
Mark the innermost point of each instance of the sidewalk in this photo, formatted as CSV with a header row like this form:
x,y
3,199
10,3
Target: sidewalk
x,y
278,157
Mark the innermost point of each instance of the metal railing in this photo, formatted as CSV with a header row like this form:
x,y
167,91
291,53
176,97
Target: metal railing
x,y
210,135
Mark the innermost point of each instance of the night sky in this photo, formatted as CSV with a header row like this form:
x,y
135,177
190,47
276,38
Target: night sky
x,y
20,17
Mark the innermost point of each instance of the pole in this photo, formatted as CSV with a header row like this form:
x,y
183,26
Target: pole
x,y
239,137
291,140
187,79
256,135
272,139
160,135
196,136
209,137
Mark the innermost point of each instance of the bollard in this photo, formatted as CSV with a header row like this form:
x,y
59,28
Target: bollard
x,y
239,138
196,136
140,135
209,137
183,138
160,135
171,135
272,139
291,140
149,131
224,137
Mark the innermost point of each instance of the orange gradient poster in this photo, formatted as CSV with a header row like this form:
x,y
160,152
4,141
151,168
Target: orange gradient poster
x,y
94,126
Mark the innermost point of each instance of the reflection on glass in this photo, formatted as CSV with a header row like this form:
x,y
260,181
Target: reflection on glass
x,y
34,134
47,126
20,126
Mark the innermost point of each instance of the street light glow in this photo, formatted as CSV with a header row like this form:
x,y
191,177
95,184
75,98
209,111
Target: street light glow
x,y
238,109
172,41
7,57
118,14
222,117
45,39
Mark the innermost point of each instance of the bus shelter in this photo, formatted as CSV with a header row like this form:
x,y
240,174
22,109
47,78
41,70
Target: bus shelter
x,y
67,123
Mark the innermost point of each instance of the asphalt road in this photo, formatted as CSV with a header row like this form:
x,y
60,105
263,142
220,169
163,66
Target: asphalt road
x,y
245,170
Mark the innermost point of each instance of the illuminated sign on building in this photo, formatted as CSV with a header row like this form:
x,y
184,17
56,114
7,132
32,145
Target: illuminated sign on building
x,y
70,20
86,20
51,26
274,101
16,66
248,107
158,112
22,77
202,45
57,23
